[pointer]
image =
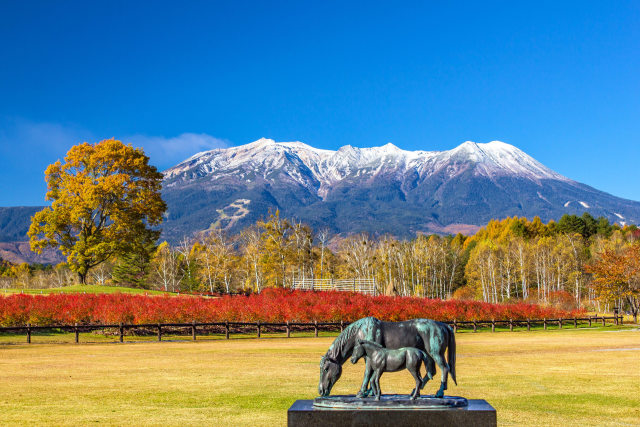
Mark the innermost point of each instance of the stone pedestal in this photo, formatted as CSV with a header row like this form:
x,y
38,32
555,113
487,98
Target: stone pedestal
x,y
478,413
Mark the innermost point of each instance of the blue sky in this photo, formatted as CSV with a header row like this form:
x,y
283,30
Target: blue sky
x,y
560,80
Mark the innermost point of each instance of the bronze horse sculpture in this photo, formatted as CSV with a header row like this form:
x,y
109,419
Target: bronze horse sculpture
x,y
430,336
382,360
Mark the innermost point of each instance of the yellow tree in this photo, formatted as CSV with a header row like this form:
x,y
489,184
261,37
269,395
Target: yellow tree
x,y
616,276
105,197
252,249
276,237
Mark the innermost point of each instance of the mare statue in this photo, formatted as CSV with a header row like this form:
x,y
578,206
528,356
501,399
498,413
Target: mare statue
x,y
430,336
382,360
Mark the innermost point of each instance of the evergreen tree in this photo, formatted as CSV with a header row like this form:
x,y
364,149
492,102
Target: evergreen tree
x,y
570,224
590,225
133,266
603,227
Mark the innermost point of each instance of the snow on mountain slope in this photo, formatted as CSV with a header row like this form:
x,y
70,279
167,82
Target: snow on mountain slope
x,y
318,169
378,189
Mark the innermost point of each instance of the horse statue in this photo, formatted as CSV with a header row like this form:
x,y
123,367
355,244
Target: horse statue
x,y
382,360
430,336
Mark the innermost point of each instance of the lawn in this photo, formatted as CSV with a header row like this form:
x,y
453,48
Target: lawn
x,y
89,289
558,377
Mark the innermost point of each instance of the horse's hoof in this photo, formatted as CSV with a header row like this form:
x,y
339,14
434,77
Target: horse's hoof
x,y
360,395
440,394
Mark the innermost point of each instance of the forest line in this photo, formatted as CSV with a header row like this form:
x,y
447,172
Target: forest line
x,y
507,260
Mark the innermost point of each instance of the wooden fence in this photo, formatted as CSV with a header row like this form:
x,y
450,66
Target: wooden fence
x,y
364,286
227,328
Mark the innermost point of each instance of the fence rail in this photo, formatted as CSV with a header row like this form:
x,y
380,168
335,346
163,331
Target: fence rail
x,y
227,328
364,286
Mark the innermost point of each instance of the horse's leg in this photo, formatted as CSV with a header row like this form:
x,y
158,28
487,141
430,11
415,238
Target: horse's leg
x,y
430,367
376,380
415,371
365,389
436,346
429,363
444,368
374,389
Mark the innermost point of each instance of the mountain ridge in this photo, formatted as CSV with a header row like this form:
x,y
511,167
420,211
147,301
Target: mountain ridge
x,y
377,189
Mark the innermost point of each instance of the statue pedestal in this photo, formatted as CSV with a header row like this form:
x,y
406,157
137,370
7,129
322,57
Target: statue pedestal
x,y
390,411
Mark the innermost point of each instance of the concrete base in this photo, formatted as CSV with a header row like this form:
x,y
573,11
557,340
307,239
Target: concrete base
x,y
478,414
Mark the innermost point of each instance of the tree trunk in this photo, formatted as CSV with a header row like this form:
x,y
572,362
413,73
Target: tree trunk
x,y
633,304
82,278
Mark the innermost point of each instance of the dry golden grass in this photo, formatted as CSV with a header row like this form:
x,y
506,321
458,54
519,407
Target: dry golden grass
x,y
568,377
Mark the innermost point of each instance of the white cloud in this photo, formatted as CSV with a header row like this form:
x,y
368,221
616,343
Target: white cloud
x,y
21,140
166,152
20,136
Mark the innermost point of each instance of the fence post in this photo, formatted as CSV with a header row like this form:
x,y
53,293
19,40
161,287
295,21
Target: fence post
x,y
226,329
28,333
258,329
493,325
475,326
288,330
528,325
603,321
589,321
621,321
544,323
121,332
575,322
455,326
77,333
193,330
159,332
510,325
341,326
560,323
315,328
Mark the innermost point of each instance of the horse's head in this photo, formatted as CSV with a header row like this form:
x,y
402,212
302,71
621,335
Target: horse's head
x,y
330,371
358,352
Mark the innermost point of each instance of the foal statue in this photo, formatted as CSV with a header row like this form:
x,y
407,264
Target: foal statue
x,y
380,360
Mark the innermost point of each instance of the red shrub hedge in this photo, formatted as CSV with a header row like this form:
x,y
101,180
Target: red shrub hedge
x,y
272,305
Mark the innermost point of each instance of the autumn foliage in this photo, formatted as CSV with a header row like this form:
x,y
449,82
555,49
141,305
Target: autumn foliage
x,y
617,276
104,199
272,305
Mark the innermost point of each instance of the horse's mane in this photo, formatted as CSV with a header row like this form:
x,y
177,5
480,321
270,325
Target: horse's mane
x,y
335,350
372,343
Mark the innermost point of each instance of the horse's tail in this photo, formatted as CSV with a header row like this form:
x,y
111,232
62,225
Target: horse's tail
x,y
451,354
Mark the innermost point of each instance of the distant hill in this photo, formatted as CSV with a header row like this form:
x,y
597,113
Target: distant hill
x,y
14,245
14,222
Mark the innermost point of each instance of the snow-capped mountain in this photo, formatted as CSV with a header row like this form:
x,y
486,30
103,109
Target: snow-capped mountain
x,y
377,189
321,169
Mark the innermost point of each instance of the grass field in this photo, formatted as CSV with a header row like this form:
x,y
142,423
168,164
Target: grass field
x,y
89,289
558,377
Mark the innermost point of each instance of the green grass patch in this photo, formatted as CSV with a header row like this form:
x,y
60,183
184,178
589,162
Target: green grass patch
x,y
89,289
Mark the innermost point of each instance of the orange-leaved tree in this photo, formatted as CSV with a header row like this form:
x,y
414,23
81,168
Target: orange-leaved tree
x,y
616,276
105,200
